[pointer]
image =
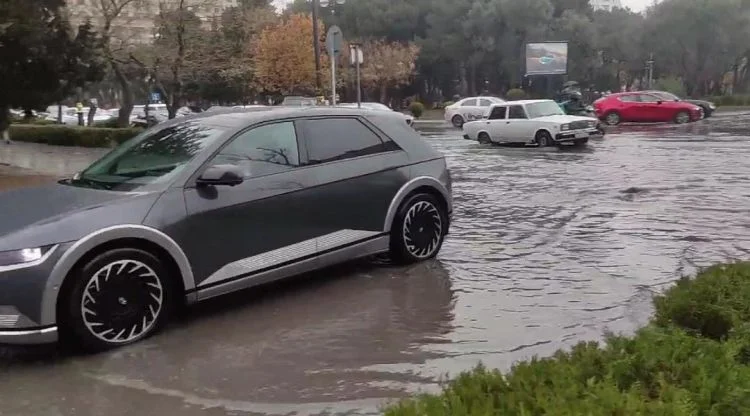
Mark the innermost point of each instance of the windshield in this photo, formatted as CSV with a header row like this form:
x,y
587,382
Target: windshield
x,y
543,109
149,158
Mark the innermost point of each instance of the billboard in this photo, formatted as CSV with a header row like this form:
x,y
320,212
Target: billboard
x,y
547,58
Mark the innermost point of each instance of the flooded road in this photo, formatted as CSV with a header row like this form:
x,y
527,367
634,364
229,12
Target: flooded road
x,y
547,248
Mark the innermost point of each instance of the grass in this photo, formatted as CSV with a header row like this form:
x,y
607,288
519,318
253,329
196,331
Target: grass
x,y
691,359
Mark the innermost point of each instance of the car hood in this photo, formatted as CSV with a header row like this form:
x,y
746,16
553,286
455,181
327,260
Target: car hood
x,y
58,213
562,119
698,102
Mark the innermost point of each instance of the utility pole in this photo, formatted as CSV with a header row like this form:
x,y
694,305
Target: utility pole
x,y
316,44
355,54
650,70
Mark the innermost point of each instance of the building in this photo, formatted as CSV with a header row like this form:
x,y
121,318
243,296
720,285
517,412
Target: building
x,y
135,23
606,4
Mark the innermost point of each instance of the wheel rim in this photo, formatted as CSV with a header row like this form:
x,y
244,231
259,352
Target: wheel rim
x,y
458,121
682,118
122,301
613,119
483,138
543,141
422,230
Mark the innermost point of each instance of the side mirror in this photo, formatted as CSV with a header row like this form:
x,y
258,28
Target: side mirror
x,y
659,102
229,175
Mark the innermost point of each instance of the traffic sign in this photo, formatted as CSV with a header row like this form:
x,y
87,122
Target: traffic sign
x,y
334,40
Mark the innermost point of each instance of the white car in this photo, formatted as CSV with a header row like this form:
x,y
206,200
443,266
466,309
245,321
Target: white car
x,y
377,106
530,122
469,109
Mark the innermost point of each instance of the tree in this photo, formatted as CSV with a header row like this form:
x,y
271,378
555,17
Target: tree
x,y
40,59
284,60
387,65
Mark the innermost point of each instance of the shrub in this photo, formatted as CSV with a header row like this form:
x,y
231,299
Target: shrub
x,y
515,94
110,124
71,136
671,84
416,108
666,368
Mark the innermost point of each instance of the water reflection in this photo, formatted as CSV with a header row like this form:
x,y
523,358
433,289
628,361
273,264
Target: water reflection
x,y
309,340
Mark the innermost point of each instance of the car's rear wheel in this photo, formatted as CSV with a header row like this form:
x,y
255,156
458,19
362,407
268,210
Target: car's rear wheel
x,y
484,138
543,139
418,229
612,118
682,117
117,298
457,121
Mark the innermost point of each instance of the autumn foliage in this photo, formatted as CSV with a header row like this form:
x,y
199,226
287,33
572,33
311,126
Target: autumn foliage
x,y
284,59
386,65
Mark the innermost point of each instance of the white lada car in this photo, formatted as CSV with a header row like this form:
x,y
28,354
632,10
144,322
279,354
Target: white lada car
x,y
530,122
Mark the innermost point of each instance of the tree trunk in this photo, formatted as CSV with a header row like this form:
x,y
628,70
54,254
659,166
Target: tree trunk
x,y
5,123
123,118
383,93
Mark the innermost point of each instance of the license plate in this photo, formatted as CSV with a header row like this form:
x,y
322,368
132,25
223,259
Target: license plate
x,y
582,135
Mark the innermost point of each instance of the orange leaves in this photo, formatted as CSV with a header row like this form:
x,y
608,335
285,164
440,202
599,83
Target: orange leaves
x,y
387,64
284,58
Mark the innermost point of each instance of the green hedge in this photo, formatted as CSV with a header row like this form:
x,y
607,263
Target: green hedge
x,y
71,136
730,100
692,359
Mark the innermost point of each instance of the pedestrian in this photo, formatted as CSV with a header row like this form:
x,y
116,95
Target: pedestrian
x,y
79,111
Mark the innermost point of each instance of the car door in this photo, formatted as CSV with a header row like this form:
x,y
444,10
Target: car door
x,y
468,109
651,108
235,232
627,107
483,105
520,127
356,171
497,124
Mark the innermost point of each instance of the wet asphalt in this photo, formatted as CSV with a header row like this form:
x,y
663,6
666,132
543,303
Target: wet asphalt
x,y
547,248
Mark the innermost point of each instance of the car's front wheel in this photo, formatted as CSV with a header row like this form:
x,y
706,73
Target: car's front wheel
x,y
457,121
117,298
418,229
543,139
682,117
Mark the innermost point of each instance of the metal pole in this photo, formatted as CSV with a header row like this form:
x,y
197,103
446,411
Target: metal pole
x,y
333,79
316,44
359,88
650,71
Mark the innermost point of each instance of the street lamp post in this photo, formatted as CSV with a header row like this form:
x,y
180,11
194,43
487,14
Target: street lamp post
x,y
316,4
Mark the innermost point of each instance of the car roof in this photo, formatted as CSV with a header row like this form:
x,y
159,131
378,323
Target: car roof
x,y
521,102
242,117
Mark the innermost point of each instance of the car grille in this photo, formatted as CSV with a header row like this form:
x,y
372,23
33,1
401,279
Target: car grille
x,y
579,125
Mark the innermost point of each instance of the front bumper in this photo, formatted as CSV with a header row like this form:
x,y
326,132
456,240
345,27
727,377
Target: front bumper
x,y
466,137
576,136
22,290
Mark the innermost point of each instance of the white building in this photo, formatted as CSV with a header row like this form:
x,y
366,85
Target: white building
x,y
605,4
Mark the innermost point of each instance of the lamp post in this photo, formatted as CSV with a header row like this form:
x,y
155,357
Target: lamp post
x,y
316,4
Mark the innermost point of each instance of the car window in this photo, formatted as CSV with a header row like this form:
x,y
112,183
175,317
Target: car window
x,y
516,112
469,103
263,150
498,113
334,139
648,98
484,102
629,98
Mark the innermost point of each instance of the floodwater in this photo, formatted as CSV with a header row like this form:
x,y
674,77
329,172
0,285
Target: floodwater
x,y
547,248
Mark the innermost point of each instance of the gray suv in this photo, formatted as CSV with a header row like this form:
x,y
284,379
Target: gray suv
x,y
209,204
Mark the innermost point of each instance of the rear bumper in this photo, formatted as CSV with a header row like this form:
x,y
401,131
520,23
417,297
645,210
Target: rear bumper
x,y
466,136
46,335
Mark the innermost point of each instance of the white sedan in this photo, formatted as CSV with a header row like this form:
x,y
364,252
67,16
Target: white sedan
x,y
377,106
469,109
530,122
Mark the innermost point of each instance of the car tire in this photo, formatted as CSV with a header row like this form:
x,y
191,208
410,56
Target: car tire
x,y
613,118
682,117
418,230
484,138
117,298
457,121
543,139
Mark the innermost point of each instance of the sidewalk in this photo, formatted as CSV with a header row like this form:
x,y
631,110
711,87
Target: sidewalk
x,y
48,160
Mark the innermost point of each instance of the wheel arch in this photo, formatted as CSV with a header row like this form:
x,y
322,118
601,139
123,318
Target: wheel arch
x,y
425,184
136,236
545,130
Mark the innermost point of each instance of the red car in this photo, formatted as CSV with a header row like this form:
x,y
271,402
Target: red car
x,y
644,107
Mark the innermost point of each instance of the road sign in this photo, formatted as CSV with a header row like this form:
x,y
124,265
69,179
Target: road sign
x,y
155,97
334,40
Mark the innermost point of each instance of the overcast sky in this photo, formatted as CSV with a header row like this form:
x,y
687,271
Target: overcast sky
x,y
635,5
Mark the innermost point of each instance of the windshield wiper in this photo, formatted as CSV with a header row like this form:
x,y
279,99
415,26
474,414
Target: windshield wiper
x,y
88,182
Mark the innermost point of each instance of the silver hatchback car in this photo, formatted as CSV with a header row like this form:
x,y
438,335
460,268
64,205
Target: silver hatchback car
x,y
209,204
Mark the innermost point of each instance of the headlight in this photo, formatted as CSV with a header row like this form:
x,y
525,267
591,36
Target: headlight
x,y
712,106
565,127
26,255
